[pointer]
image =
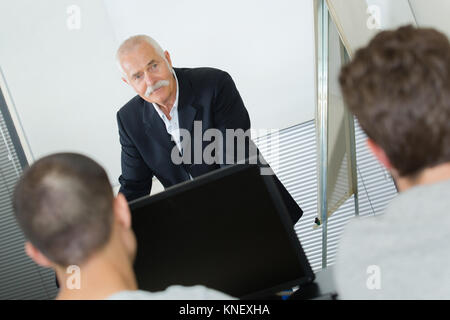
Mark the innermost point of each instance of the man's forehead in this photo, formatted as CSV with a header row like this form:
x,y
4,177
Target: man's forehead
x,y
136,58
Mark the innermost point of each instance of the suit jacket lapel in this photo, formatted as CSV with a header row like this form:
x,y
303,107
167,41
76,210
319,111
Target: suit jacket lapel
x,y
186,109
155,128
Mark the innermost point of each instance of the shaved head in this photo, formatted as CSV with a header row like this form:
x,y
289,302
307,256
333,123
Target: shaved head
x,y
64,205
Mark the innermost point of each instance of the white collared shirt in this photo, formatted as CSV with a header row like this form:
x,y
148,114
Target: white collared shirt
x,y
172,125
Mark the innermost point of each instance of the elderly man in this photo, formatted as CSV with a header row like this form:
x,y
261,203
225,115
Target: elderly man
x,y
169,100
399,89
200,101
73,223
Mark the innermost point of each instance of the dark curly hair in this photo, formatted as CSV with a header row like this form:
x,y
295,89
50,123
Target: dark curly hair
x,y
398,87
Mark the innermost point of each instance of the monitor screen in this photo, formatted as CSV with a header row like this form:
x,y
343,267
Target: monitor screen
x,y
227,230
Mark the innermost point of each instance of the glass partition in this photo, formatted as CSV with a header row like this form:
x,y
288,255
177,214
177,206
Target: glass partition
x,y
335,129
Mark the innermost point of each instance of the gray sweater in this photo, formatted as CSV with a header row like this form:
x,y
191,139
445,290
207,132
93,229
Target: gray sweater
x,y
402,254
175,292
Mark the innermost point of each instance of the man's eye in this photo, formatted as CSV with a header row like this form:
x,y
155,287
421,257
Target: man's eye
x,y
154,65
137,77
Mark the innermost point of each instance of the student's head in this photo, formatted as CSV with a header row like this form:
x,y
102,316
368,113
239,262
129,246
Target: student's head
x,y
65,206
398,87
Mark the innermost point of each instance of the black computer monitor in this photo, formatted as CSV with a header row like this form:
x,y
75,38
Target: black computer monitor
x,y
228,230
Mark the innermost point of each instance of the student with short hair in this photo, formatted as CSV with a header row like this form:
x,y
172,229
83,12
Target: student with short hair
x,y
398,87
65,206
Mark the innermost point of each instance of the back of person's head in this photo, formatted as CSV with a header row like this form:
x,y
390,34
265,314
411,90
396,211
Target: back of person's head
x,y
398,87
64,205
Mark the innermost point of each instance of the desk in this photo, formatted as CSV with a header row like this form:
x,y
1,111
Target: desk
x,y
323,287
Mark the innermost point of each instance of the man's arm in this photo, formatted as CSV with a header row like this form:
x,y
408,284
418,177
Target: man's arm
x,y
136,178
230,113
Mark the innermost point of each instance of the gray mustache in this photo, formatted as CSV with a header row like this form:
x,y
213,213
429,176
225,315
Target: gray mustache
x,y
159,84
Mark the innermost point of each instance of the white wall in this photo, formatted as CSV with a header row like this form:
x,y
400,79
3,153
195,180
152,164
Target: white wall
x,y
358,21
63,82
267,47
432,13
66,88
393,13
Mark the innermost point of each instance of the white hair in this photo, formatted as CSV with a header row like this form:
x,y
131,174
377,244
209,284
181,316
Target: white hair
x,y
132,42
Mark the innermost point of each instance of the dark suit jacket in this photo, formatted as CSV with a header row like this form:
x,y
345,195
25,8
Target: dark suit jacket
x,y
205,94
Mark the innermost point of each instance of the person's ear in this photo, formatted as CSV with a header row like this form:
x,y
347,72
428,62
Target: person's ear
x,y
379,154
167,55
122,211
125,80
37,256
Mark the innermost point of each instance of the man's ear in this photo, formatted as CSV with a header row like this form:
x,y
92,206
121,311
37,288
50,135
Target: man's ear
x,y
37,256
379,154
167,55
122,211
125,80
